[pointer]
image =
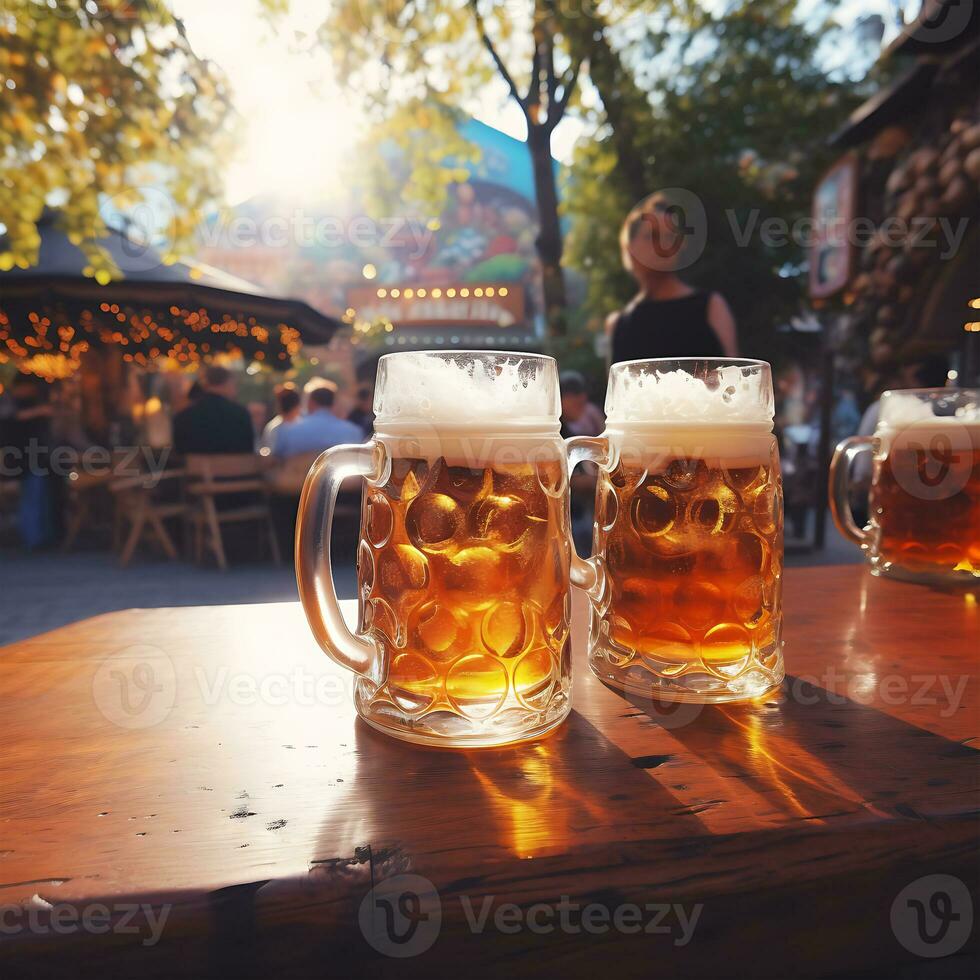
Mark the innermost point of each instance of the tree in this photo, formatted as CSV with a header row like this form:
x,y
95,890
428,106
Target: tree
x,y
739,110
99,100
421,53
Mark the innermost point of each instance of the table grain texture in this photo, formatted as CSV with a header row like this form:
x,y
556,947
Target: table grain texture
x,y
208,763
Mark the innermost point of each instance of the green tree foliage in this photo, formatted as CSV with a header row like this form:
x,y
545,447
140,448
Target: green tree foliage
x,y
101,98
738,111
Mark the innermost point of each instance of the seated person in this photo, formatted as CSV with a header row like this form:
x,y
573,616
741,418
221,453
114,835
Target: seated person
x,y
362,415
214,423
319,429
289,402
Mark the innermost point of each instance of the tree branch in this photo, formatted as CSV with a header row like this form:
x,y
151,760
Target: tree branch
x,y
497,60
568,81
550,68
534,86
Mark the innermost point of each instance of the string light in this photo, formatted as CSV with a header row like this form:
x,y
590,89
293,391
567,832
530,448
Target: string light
x,y
144,335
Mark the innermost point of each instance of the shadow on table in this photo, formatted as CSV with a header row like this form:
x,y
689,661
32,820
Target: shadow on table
x,y
550,796
812,754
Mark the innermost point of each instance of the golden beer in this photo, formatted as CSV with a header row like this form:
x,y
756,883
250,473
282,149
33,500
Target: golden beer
x,y
463,577
464,553
693,562
924,500
940,536
688,541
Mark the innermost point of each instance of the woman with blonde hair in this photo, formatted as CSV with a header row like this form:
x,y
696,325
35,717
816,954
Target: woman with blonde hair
x,y
667,317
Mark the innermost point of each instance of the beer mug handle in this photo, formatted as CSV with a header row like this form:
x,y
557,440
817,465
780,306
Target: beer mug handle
x,y
314,574
585,572
840,486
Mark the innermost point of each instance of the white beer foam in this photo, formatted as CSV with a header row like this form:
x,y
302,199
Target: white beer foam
x,y
900,410
907,422
460,389
678,397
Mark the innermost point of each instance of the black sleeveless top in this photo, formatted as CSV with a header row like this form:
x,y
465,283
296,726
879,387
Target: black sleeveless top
x,y
665,328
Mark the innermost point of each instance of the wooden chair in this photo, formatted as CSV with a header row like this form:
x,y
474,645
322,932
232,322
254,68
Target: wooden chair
x,y
90,503
213,477
140,505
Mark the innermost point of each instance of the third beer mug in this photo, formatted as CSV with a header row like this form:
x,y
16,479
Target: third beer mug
x,y
688,532
924,502
463,562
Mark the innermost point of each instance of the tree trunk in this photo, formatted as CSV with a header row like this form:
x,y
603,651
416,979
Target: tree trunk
x,y
549,242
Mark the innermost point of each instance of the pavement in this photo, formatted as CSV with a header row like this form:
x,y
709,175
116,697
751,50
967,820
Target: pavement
x,y
46,590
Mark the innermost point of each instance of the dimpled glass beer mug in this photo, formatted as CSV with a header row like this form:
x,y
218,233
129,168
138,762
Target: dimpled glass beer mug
x,y
687,572
924,507
464,553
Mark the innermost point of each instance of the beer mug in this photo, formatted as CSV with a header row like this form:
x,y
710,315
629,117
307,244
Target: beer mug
x,y
688,544
464,552
924,506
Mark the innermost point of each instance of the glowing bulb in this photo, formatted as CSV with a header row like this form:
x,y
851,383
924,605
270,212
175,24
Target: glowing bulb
x,y
369,271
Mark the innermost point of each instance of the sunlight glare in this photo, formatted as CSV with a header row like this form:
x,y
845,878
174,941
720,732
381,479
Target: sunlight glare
x,y
297,128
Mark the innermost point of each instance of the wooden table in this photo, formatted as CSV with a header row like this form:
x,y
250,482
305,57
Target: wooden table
x,y
205,767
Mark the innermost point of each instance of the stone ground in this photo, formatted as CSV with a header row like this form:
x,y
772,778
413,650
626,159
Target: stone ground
x,y
40,592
